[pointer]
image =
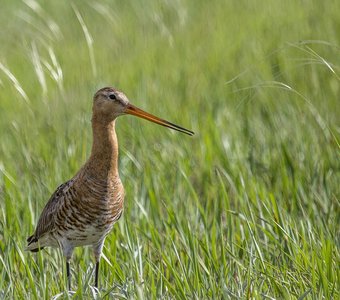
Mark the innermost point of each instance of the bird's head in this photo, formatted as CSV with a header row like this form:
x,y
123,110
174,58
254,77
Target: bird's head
x,y
109,103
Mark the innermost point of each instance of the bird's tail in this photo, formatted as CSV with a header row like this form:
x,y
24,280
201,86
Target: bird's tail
x,y
33,244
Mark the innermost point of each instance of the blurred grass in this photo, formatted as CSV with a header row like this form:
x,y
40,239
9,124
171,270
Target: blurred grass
x,y
247,208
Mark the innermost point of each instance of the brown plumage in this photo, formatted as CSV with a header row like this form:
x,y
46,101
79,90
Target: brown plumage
x,y
82,211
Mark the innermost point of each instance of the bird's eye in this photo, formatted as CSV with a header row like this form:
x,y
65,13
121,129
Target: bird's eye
x,y
112,97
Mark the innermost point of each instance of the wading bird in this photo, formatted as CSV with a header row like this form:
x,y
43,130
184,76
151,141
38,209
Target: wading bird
x,y
82,211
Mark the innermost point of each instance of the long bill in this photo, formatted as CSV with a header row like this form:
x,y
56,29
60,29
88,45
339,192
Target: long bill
x,y
133,110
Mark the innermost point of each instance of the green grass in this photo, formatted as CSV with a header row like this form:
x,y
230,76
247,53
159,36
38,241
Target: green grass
x,y
248,208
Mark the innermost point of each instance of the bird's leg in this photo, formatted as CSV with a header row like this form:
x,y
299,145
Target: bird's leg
x,y
67,250
96,274
97,251
68,274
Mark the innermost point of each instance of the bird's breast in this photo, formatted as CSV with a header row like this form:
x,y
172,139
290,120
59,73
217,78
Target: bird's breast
x,y
93,207
104,200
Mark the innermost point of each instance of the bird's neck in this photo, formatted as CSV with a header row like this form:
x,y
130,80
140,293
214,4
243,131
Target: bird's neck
x,y
103,162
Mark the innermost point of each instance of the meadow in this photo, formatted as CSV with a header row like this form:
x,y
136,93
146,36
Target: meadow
x,y
247,208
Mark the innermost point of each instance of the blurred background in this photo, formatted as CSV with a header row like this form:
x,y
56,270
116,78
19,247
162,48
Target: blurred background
x,y
247,208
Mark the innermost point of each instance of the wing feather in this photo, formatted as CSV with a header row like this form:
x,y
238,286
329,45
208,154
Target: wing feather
x,y
46,221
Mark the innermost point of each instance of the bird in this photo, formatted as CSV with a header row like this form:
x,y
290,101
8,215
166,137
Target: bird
x,y
83,210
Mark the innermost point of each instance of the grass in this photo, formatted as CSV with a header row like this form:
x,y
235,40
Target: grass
x,y
246,209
